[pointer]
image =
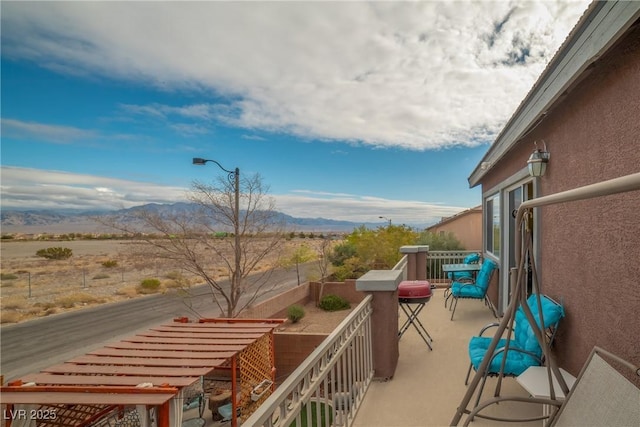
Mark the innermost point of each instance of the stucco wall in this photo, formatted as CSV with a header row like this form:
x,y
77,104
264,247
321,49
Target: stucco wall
x,y
467,229
276,307
589,250
346,290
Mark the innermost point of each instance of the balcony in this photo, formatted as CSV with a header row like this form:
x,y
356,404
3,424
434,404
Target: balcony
x,y
428,385
336,382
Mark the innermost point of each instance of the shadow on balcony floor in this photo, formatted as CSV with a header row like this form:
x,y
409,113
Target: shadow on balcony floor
x,y
428,385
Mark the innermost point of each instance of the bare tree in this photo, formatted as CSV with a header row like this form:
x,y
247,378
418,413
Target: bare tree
x,y
200,239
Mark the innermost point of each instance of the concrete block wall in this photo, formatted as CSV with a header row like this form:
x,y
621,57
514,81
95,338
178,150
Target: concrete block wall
x,y
346,290
276,307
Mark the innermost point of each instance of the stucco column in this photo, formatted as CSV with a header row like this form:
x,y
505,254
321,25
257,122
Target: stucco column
x,y
412,254
421,262
383,286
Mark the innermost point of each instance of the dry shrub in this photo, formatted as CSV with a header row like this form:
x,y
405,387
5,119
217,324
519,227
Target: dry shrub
x,y
146,291
14,302
176,284
43,306
127,291
7,316
70,301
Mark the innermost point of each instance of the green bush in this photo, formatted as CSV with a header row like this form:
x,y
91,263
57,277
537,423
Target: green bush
x,y
334,303
295,312
8,276
55,253
149,286
110,263
100,276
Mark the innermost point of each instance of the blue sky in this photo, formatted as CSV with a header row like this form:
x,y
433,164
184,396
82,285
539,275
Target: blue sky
x,y
348,110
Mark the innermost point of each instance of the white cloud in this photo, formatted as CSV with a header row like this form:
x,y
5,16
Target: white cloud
x,y
362,208
417,75
52,133
24,188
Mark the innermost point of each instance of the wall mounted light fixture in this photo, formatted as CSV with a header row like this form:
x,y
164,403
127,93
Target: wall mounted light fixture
x,y
538,160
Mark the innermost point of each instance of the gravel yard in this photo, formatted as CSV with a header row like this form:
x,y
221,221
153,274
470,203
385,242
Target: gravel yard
x,y
32,286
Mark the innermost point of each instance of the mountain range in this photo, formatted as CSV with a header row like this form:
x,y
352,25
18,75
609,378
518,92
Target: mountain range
x,y
59,221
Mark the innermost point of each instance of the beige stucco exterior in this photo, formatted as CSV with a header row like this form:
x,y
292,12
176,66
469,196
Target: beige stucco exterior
x,y
466,226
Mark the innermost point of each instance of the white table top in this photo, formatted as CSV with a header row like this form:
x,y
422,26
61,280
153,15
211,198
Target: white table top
x,y
535,381
460,267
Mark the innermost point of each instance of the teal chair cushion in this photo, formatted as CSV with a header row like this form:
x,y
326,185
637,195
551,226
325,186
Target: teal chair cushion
x,y
469,291
523,334
459,290
524,338
471,259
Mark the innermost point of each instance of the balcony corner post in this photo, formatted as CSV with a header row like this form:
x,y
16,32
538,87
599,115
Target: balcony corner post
x,y
412,260
382,285
421,262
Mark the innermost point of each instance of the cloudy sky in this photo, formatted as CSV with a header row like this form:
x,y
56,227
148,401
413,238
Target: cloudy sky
x,y
348,110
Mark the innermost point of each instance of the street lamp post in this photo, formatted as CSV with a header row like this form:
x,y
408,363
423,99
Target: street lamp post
x,y
235,175
388,219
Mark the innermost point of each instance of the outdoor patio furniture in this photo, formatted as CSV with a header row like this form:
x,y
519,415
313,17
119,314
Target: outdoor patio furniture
x,y
513,356
469,259
412,297
462,272
477,289
600,396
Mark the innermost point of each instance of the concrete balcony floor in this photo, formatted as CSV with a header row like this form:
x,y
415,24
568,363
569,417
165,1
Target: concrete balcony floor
x,y
428,386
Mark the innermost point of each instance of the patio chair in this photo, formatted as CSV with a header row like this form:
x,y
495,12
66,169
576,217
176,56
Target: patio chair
x,y
513,356
467,288
600,396
469,259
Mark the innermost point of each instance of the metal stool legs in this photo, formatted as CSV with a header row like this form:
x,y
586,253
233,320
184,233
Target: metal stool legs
x,y
412,319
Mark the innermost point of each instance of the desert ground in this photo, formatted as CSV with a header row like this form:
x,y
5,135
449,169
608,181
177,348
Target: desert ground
x,y
99,271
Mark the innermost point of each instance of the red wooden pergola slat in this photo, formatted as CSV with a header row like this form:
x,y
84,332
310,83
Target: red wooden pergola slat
x,y
165,371
187,354
187,341
177,347
146,361
104,380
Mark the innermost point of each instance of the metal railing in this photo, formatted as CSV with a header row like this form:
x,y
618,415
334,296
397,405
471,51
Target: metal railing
x,y
436,259
328,387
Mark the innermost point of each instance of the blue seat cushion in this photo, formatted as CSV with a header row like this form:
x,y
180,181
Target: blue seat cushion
x,y
462,290
524,339
471,259
225,411
523,334
516,364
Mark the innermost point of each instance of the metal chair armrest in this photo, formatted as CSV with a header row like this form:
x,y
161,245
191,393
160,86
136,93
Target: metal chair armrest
x,y
486,327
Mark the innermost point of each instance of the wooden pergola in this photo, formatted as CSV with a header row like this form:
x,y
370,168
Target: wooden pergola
x,y
150,370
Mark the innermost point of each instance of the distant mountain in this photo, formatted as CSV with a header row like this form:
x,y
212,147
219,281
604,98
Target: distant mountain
x,y
54,221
